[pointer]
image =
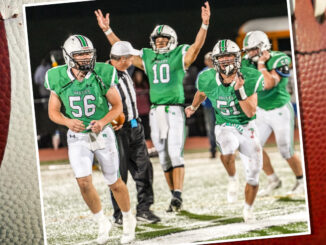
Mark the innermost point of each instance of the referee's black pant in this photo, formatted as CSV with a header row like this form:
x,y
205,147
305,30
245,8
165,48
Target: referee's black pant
x,y
134,157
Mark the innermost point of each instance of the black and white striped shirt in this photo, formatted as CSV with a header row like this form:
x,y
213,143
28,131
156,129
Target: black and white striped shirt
x,y
128,95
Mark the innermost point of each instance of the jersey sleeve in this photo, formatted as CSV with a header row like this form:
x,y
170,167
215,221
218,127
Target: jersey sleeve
x,y
52,81
108,75
254,81
201,82
278,61
184,49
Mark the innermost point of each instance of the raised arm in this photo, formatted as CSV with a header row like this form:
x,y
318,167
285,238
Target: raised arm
x,y
104,24
247,104
56,116
271,78
194,49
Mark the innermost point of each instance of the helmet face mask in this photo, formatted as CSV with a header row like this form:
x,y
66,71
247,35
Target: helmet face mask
x,y
167,32
79,53
226,57
256,40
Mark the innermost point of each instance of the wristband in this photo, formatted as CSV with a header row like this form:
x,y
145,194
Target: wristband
x,y
205,27
261,62
193,108
108,32
240,93
262,69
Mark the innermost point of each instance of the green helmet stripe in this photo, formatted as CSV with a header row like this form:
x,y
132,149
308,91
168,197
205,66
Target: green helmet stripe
x,y
159,30
82,40
246,40
223,46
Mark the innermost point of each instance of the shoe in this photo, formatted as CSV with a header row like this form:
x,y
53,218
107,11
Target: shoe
x,y
129,226
148,217
103,230
248,215
118,220
298,189
176,204
232,194
272,185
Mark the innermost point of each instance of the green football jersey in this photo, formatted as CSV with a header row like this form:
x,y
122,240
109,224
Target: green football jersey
x,y
277,96
83,100
223,98
165,74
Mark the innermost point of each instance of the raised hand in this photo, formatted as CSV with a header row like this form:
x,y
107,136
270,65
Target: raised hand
x,y
103,22
205,13
239,81
265,56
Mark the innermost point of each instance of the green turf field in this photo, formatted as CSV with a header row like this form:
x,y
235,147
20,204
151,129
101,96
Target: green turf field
x,y
206,215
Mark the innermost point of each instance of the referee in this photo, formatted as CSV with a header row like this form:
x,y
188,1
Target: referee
x,y
131,139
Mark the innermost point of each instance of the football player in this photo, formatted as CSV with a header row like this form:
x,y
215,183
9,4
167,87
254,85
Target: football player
x,y
275,112
165,65
83,87
233,94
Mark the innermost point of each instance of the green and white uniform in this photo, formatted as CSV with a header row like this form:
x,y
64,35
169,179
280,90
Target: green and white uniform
x,y
165,74
234,130
275,112
86,101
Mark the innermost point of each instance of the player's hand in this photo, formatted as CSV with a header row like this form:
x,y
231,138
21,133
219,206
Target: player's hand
x,y
75,125
117,127
103,22
97,126
239,81
189,112
205,13
265,56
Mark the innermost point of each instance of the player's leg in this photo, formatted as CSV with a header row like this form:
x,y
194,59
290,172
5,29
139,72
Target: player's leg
x,y
251,148
141,169
109,161
161,147
228,144
176,139
284,133
81,159
123,147
263,123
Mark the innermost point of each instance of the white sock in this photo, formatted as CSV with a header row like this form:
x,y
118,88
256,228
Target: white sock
x,y
126,214
300,181
272,177
97,217
233,178
247,206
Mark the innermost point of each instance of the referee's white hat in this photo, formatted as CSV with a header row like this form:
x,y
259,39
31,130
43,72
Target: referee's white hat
x,y
123,48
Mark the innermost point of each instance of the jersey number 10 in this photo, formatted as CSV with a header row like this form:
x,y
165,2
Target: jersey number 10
x,y
164,73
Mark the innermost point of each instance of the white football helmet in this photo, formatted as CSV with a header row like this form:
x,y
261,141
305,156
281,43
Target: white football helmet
x,y
77,44
226,47
256,39
164,31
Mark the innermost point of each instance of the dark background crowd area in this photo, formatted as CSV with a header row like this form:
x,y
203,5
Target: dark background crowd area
x,y
49,25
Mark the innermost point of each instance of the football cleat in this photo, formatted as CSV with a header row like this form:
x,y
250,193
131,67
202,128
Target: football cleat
x,y
148,217
248,215
103,231
272,185
232,194
298,188
176,204
129,227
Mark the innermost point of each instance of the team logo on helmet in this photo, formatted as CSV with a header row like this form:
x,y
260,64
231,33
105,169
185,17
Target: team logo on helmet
x,y
164,31
256,40
225,48
79,44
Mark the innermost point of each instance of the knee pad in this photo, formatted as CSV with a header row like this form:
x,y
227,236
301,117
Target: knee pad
x,y
253,168
286,152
